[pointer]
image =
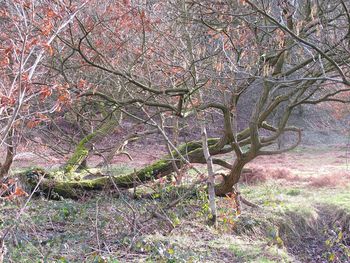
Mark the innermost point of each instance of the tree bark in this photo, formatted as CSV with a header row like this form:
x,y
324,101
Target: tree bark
x,y
83,148
75,185
10,152
231,179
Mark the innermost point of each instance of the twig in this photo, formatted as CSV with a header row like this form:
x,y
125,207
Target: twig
x,y
96,227
248,203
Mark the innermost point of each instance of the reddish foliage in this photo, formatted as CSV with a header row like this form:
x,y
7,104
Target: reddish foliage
x,y
258,175
331,180
10,190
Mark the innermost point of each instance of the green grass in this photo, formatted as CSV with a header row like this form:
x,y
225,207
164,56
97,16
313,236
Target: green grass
x,y
100,228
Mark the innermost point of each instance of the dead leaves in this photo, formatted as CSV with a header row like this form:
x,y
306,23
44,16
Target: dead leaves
x,y
10,190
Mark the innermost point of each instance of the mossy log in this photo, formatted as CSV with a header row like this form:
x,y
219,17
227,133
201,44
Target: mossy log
x,y
76,184
83,147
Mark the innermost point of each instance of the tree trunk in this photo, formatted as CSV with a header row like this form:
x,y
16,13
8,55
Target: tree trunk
x,y
76,184
5,167
83,148
231,179
75,187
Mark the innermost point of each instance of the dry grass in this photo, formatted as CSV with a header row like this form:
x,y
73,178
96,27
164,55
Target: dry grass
x,y
260,175
336,179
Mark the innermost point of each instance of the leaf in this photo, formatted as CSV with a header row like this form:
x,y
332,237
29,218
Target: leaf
x,y
42,117
5,61
340,237
20,192
7,101
33,123
45,92
50,13
142,14
46,28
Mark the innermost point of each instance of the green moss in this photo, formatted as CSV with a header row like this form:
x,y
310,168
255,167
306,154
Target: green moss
x,y
81,151
189,147
153,169
69,183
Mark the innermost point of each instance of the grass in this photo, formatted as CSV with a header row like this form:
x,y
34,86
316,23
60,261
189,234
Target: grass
x,y
295,223
98,229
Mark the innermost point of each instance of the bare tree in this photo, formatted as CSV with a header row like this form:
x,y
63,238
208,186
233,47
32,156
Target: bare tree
x,y
28,31
248,60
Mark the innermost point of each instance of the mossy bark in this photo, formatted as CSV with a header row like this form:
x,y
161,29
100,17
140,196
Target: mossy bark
x,y
73,186
79,155
83,148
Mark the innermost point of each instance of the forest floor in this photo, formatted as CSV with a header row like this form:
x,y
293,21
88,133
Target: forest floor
x,y
303,216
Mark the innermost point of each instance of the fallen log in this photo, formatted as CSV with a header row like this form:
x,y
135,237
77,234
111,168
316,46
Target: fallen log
x,y
75,184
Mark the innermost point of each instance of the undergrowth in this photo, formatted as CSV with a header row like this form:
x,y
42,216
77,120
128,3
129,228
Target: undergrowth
x,y
292,224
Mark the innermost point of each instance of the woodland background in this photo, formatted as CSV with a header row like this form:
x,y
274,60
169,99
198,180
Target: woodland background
x,y
174,131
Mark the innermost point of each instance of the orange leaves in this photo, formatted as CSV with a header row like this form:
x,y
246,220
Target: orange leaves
x,y
46,28
19,192
242,2
5,61
27,4
45,92
50,13
25,77
7,101
38,119
42,117
4,13
142,15
9,190
33,123
64,96
233,209
233,202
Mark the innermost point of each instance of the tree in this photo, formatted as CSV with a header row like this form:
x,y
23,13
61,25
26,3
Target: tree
x,y
28,31
248,59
